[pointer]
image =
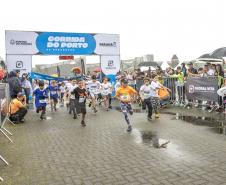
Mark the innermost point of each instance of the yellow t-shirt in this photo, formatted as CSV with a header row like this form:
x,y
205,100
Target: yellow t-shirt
x,y
15,105
125,93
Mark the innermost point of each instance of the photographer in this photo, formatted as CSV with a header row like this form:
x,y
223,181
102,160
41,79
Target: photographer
x,y
17,108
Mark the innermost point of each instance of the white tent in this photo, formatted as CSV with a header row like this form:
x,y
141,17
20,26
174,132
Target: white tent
x,y
164,65
145,68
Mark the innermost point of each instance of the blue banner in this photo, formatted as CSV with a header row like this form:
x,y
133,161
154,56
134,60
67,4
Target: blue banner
x,y
56,43
44,77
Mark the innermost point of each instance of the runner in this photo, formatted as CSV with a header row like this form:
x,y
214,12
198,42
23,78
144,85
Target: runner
x,y
53,91
41,95
106,89
155,86
94,90
80,94
72,99
125,94
146,92
62,92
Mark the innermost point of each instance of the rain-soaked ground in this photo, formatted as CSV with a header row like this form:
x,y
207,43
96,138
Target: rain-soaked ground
x,y
174,149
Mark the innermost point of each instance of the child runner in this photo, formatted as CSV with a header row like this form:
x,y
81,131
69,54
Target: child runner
x,y
62,92
146,92
72,99
41,96
80,94
124,95
155,86
53,91
106,89
94,90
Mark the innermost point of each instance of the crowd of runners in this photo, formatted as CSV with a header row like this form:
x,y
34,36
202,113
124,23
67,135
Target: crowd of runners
x,y
79,94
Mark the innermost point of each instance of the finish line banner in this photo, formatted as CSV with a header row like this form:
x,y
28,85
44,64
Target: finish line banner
x,y
60,43
202,89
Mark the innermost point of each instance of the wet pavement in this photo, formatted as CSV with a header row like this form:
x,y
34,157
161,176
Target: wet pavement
x,y
58,151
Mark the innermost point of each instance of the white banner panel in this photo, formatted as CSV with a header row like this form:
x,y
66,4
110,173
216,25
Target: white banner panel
x,y
19,62
110,65
21,42
107,44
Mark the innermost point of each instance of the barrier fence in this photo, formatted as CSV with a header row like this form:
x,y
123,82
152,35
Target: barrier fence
x,y
4,116
195,91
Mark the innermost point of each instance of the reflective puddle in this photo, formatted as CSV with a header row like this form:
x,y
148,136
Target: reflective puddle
x,y
150,138
218,126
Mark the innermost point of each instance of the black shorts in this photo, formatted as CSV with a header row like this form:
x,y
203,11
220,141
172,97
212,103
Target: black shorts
x,y
54,99
80,107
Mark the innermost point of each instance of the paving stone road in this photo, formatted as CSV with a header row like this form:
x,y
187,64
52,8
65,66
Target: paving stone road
x,y
58,151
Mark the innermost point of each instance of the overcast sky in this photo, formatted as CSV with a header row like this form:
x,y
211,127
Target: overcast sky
x,y
188,28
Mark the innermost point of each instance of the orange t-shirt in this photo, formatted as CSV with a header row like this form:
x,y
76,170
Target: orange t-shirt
x,y
125,93
15,105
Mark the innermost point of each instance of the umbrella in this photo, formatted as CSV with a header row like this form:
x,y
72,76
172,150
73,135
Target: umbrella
x,y
97,69
76,70
219,53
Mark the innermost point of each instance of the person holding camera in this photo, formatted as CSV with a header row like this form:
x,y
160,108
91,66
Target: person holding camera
x,y
18,108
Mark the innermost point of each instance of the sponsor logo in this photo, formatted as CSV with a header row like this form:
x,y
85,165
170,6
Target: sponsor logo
x,y
191,89
19,64
20,42
110,63
109,44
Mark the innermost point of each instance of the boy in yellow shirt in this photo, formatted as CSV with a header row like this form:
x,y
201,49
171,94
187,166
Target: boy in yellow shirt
x,y
125,95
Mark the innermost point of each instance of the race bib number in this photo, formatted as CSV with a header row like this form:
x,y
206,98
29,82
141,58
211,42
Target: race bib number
x,y
81,99
42,101
53,92
125,97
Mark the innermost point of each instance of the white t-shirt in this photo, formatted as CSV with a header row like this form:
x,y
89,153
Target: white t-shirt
x,y
94,87
106,88
72,87
210,72
147,91
63,89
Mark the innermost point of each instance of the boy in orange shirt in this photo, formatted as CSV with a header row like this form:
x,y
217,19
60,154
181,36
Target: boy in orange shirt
x,y
125,95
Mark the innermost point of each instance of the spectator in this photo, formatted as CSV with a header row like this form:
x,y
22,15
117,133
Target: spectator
x,y
14,84
220,75
17,108
26,85
191,70
184,69
211,69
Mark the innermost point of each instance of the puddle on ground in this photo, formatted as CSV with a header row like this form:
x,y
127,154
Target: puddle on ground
x,y
150,138
215,125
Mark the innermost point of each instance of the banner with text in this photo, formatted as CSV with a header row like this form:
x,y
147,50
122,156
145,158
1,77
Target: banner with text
x,y
202,89
60,43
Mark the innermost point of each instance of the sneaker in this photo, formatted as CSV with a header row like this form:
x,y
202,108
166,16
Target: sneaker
x,y
110,107
90,103
131,112
83,123
95,110
75,116
157,115
22,120
129,129
55,109
149,118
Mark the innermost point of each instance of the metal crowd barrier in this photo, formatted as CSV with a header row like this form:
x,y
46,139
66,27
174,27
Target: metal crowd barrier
x,y
178,95
4,115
